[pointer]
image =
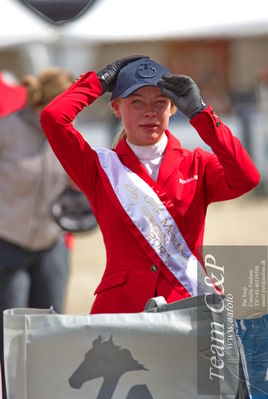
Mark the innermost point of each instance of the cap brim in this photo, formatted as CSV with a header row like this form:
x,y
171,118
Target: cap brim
x,y
130,90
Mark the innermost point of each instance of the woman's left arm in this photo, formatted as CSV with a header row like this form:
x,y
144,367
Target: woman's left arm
x,y
229,172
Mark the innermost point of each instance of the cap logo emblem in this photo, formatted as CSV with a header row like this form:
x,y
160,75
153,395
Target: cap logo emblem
x,y
146,70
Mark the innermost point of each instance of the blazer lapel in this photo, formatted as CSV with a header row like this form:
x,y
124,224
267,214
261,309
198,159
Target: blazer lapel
x,y
171,160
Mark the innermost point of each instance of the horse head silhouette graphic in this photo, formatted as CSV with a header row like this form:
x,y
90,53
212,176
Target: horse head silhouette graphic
x,y
107,360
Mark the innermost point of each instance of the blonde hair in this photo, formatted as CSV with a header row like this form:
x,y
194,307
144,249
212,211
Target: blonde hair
x,y
47,85
118,137
121,133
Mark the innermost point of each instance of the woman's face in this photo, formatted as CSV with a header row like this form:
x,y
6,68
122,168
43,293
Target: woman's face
x,y
145,115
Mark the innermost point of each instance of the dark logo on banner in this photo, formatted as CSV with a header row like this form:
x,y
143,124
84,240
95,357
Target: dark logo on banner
x,y
107,360
59,11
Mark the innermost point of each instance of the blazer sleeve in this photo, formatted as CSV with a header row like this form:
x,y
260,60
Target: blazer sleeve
x,y
229,171
72,150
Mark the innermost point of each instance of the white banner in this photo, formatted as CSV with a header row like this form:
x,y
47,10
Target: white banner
x,y
148,355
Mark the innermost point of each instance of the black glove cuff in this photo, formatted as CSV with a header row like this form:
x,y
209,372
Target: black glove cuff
x,y
197,111
102,75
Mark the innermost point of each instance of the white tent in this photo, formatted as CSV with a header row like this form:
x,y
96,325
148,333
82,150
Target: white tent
x,y
121,20
19,25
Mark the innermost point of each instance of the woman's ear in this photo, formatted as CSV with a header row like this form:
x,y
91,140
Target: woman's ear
x,y
115,105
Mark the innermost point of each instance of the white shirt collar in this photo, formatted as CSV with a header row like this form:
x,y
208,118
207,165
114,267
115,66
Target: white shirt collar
x,y
149,152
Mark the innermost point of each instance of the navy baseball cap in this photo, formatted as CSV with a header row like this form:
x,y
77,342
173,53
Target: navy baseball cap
x,y
137,74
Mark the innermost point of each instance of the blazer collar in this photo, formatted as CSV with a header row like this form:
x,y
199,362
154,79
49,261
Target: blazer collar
x,y
172,156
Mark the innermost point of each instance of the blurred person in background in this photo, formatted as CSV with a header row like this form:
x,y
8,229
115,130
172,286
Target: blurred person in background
x,y
34,259
149,194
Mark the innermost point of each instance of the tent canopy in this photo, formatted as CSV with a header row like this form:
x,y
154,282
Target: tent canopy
x,y
121,20
19,25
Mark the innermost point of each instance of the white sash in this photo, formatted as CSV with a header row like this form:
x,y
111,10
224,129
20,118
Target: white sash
x,y
154,221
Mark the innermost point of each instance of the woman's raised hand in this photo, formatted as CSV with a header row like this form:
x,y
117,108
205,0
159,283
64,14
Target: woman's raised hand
x,y
184,92
108,75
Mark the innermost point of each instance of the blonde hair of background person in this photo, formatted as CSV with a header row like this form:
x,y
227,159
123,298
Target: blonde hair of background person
x,y
44,87
34,260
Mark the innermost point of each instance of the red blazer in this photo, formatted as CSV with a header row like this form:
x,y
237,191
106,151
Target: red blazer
x,y
190,179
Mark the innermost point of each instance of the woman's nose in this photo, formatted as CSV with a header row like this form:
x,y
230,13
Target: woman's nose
x,y
149,109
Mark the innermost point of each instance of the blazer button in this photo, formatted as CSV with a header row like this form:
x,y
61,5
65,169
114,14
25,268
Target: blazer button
x,y
154,268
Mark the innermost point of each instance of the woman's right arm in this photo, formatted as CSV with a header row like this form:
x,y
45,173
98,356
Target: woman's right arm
x,y
74,153
72,150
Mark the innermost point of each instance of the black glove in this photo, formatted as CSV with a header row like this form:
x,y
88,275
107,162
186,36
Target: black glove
x,y
108,75
184,92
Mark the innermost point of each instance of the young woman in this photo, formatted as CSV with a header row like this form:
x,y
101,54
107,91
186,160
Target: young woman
x,y
149,194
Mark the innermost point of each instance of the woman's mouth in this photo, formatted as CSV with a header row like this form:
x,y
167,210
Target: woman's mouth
x,y
149,126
